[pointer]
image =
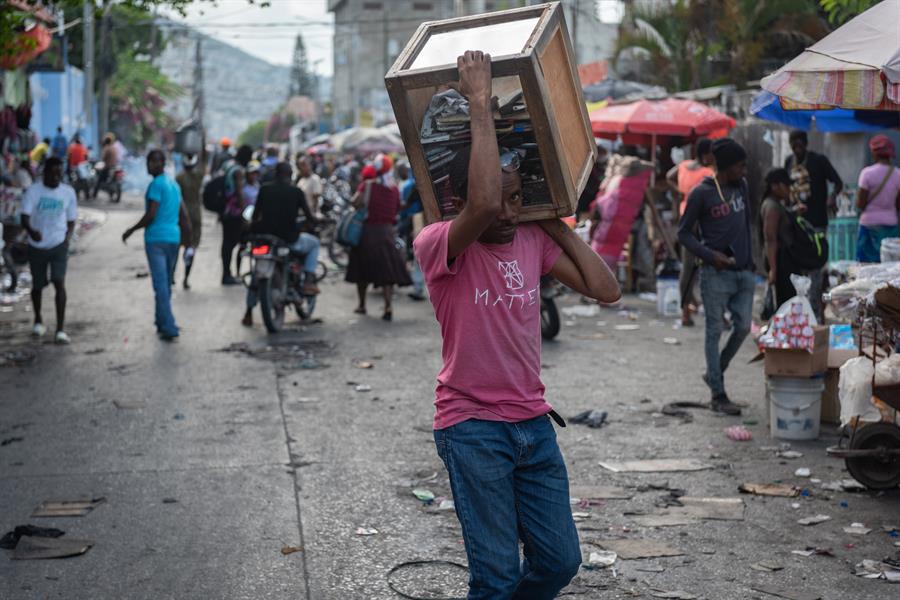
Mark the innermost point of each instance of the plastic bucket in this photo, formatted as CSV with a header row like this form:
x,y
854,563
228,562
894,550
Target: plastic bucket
x,y
795,407
668,297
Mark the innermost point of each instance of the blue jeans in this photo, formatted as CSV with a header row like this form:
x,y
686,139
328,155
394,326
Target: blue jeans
x,y
721,290
308,244
161,257
509,483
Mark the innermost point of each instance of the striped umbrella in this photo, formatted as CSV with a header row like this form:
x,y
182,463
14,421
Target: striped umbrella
x,y
856,66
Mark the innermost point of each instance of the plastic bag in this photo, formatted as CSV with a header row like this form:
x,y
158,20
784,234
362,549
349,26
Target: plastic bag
x,y
791,327
855,391
887,371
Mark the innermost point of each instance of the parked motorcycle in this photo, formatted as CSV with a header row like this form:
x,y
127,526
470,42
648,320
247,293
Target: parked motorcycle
x,y
112,185
550,289
14,255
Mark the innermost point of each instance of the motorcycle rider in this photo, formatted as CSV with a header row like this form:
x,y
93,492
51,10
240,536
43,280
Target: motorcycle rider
x,y
277,207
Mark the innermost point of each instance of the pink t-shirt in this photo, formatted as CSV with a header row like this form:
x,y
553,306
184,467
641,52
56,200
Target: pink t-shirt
x,y
488,305
882,209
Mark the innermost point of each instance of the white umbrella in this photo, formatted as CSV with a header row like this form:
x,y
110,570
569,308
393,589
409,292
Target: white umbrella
x,y
366,140
855,66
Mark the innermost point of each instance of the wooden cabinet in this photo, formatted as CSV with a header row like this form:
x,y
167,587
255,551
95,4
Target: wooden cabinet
x,y
536,83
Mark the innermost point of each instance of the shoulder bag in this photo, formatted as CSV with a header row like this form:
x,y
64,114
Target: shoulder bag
x,y
350,228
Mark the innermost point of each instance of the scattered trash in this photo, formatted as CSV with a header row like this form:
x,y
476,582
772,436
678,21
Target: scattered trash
x,y
844,504
811,551
129,404
676,409
789,454
37,548
664,520
814,520
592,418
178,417
802,472
769,489
598,492
627,327
659,465
795,505
671,341
169,500
710,508
873,569
766,566
11,440
309,363
601,559
429,579
844,485
677,594
290,549
366,531
17,358
785,593
426,496
581,310
11,538
738,433
362,364
95,351
650,569
363,387
446,505
141,274
857,529
635,549
67,508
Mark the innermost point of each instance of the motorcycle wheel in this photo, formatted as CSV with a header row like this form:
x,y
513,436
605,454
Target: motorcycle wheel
x,y
549,319
321,271
271,302
337,253
116,195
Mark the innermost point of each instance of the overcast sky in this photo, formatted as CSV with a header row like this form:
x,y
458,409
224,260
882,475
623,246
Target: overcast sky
x,y
269,33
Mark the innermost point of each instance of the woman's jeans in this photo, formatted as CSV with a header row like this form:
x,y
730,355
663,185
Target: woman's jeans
x,y
721,291
161,257
509,483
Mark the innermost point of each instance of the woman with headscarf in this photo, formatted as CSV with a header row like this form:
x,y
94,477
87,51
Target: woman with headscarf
x,y
878,200
376,260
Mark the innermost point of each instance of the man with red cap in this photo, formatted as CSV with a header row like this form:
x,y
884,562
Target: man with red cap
x,y
878,200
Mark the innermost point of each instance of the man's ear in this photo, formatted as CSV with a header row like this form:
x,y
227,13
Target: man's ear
x,y
458,203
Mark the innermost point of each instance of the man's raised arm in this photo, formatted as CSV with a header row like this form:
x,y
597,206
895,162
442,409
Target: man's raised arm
x,y
483,202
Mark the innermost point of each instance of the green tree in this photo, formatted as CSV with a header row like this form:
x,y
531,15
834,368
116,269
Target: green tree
x,y
138,95
302,81
254,135
841,11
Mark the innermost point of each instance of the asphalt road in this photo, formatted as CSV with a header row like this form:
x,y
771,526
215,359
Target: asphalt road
x,y
264,442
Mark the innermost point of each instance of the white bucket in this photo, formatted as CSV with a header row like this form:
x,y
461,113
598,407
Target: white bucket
x,y
668,297
795,407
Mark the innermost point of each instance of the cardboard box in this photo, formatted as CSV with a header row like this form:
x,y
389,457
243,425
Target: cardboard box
x,y
799,363
831,403
534,75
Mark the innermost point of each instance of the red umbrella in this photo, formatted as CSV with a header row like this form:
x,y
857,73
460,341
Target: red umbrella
x,y
643,121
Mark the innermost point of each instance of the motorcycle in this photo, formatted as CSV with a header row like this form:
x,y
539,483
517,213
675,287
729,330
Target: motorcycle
x,y
277,274
550,289
112,185
84,178
13,256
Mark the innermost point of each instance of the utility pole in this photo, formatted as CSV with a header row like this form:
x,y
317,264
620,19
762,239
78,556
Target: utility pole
x,y
88,61
197,111
106,68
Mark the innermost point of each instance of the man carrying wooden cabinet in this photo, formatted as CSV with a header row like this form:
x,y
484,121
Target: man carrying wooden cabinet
x,y
492,426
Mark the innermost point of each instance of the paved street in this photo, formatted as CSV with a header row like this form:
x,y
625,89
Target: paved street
x,y
259,451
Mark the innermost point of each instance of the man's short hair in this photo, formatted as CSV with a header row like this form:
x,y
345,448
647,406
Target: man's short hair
x,y
704,147
798,134
157,152
283,170
53,161
244,154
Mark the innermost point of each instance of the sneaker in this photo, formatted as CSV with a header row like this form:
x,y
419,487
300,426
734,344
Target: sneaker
x,y
38,330
229,280
62,338
721,404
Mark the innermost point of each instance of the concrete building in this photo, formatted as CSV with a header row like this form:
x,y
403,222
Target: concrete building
x,y
368,36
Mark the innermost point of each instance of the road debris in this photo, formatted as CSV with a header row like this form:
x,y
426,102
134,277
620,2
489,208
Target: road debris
x,y
601,559
676,594
786,593
67,508
38,548
627,327
857,529
592,418
802,472
366,531
676,409
446,504
11,538
738,433
874,569
581,310
363,387
123,404
789,454
363,364
766,566
770,489
285,550
844,485
671,341
658,465
425,495
11,440
813,551
598,492
636,549
814,520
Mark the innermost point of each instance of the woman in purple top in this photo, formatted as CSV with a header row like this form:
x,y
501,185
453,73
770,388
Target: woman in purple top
x,y
878,200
